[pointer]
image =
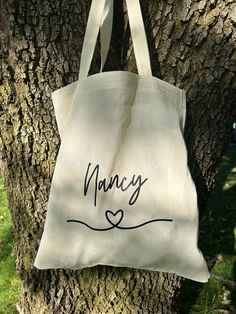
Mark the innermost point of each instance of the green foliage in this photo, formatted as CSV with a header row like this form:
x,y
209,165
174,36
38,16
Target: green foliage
x,y
9,282
217,241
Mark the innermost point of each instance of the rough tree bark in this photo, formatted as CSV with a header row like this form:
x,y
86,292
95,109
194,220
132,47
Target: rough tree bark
x,y
192,45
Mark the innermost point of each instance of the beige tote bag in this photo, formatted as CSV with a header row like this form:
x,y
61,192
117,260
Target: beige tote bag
x,y
121,192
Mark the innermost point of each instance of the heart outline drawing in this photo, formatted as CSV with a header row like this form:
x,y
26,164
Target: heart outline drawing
x,y
110,215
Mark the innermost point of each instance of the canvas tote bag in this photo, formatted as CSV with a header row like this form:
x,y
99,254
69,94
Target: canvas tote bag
x,y
121,193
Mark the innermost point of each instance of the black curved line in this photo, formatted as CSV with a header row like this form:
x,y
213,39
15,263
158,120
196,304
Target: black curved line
x,y
145,223
122,228
84,223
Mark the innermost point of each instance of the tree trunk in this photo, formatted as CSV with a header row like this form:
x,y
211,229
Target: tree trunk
x,y
192,46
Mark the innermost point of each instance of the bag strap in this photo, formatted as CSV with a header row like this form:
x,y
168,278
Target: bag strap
x,y
100,18
139,38
106,30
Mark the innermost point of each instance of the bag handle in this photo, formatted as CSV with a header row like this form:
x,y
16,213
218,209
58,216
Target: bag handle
x,y
100,17
139,38
106,30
